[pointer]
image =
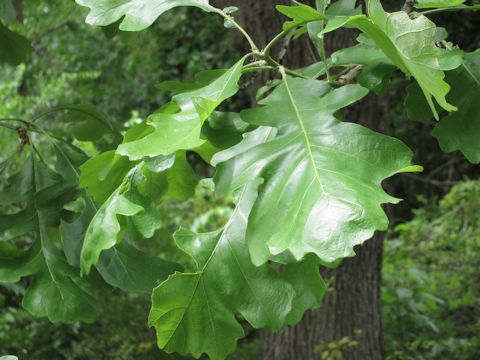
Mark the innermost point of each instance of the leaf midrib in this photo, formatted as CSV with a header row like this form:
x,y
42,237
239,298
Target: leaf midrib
x,y
304,132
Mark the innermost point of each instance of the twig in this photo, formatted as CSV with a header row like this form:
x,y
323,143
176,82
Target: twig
x,y
8,126
408,6
438,183
284,48
350,76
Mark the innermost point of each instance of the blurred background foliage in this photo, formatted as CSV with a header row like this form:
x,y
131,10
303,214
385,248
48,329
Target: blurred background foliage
x,y
431,286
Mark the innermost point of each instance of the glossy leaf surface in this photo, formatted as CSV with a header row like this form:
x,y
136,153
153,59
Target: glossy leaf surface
x,y
321,189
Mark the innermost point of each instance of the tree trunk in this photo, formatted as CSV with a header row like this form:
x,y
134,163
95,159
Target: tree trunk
x,y
349,320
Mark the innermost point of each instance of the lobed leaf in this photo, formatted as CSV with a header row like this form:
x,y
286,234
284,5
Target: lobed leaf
x,y
194,313
136,15
181,130
321,190
409,43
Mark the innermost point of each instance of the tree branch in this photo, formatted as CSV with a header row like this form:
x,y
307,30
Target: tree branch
x,y
350,76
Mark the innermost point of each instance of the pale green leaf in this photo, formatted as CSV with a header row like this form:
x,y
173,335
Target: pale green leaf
x,y
135,15
104,230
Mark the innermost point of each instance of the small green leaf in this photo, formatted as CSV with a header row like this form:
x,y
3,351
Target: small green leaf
x,y
377,67
301,15
104,230
408,43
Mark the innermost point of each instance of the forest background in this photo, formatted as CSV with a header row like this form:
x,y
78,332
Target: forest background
x,y
431,283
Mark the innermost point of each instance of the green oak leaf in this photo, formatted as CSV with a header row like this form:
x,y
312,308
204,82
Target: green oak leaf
x,y
134,204
56,290
86,123
416,106
182,130
135,15
130,269
460,130
321,190
122,266
300,14
104,232
103,173
14,48
194,313
408,43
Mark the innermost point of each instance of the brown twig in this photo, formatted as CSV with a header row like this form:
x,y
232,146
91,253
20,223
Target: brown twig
x,y
350,76
408,6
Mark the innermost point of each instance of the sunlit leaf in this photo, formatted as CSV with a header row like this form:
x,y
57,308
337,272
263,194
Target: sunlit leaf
x,y
321,189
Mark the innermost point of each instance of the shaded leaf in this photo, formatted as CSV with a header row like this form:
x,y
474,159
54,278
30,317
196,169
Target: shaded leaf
x,y
130,269
460,130
14,48
194,313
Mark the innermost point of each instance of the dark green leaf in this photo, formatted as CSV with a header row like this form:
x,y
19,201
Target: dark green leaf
x,y
194,313
460,130
14,48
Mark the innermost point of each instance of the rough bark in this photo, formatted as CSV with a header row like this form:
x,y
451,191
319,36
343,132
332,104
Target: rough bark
x,y
352,307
